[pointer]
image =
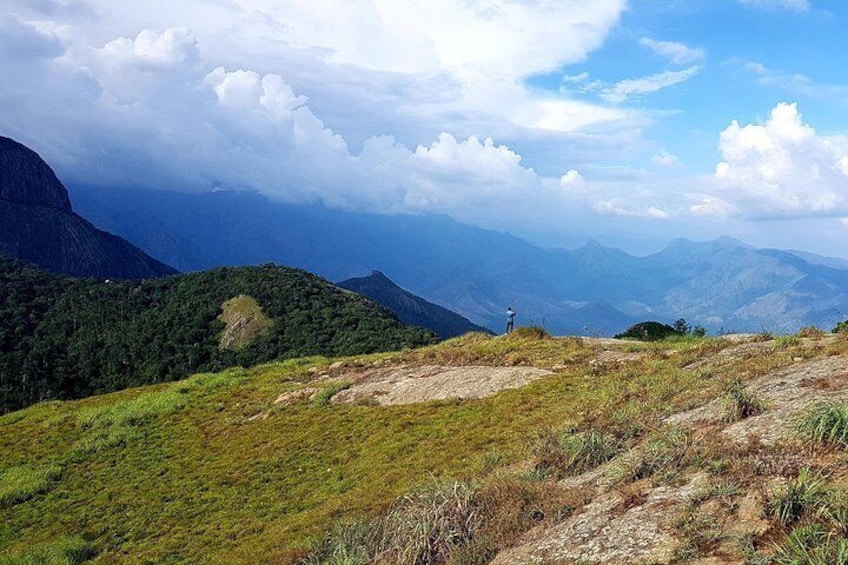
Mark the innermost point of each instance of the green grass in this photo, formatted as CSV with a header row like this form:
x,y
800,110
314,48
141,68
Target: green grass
x,y
323,396
63,551
181,473
563,453
801,495
826,424
18,484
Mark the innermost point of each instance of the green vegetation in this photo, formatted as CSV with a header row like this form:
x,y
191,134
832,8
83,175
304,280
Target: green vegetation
x,y
656,331
209,470
65,338
827,424
741,403
802,494
564,453
18,484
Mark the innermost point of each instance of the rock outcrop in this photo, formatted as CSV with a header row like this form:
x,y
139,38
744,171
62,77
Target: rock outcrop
x,y
39,226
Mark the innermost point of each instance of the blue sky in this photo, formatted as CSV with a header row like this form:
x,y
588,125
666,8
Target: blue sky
x,y
629,122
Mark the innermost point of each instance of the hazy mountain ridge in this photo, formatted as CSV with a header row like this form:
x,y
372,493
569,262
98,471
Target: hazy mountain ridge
x,y
38,225
409,308
722,284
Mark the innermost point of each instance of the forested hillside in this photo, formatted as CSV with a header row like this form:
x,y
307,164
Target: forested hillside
x,y
69,338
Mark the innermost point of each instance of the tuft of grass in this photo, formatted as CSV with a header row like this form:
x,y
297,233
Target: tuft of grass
x,y
19,484
530,332
426,525
323,396
348,542
800,495
664,450
787,341
564,453
826,424
811,545
811,331
741,403
72,550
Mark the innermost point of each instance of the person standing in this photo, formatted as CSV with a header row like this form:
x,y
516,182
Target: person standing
x,y
510,319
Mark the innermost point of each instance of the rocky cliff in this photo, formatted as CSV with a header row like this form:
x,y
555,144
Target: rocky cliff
x,y
38,225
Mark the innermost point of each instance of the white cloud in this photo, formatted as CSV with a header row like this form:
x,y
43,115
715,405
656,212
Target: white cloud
x,y
675,52
792,5
620,91
664,159
616,207
715,207
783,167
572,179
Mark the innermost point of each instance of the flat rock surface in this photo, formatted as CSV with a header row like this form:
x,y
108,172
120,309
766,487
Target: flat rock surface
x,y
408,385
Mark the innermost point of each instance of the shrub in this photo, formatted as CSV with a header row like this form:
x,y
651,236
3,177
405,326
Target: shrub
x,y
827,424
840,328
648,331
801,494
564,453
741,403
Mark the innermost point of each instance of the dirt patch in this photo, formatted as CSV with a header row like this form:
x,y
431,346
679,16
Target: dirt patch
x,y
408,385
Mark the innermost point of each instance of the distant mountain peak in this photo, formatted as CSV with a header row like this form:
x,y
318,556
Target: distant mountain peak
x,y
26,179
38,225
411,309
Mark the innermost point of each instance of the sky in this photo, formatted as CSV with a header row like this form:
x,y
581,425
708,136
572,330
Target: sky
x,y
629,122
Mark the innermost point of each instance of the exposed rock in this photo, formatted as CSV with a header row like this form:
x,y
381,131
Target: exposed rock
x,y
37,225
244,321
407,385
607,531
295,396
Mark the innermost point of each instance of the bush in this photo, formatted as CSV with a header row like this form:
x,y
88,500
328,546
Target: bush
x,y
649,331
563,453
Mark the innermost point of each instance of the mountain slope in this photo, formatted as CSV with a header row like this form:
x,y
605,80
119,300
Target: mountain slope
x,y
68,338
409,308
267,466
38,225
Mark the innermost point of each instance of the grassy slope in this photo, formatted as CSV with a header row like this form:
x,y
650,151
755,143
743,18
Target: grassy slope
x,y
176,472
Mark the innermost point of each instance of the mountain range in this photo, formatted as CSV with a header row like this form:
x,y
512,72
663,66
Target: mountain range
x,y
723,285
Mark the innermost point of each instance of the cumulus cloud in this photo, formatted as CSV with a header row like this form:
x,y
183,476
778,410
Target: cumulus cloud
x,y
621,91
675,52
572,179
784,167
